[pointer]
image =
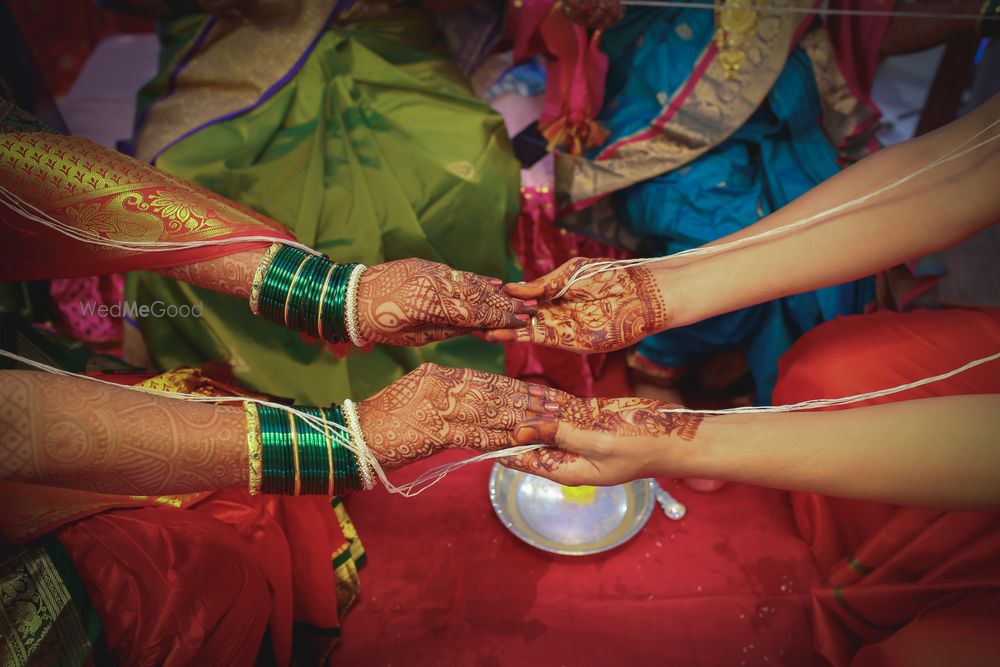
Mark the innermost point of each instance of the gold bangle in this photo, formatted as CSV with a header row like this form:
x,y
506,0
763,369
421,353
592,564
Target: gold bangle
x,y
253,446
291,286
295,455
322,298
354,426
351,306
258,276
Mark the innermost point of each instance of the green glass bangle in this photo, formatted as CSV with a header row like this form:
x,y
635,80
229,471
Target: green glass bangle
x,y
306,293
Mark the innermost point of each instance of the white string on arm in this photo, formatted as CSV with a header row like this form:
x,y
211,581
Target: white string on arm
x,y
31,212
423,482
595,268
817,403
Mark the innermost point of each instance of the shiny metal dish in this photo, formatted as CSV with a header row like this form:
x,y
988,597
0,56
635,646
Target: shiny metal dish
x,y
537,511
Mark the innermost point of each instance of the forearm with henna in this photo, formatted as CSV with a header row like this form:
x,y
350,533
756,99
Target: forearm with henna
x,y
232,274
71,433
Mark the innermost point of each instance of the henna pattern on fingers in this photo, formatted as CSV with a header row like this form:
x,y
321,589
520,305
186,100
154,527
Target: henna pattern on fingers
x,y
435,407
606,312
398,300
629,417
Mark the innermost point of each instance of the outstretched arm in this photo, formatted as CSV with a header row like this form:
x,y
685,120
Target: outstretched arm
x,y
932,211
73,433
936,452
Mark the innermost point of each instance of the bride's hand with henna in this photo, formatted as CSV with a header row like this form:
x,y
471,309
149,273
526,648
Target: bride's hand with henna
x,y
601,313
434,408
606,441
416,301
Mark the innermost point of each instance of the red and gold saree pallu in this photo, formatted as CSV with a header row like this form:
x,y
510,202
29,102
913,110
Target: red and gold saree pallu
x,y
901,585
112,198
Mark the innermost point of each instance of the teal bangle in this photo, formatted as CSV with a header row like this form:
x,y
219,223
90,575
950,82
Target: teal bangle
x,y
306,293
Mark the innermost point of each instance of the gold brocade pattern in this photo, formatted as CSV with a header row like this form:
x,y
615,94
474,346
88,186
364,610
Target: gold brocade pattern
x,y
100,191
39,623
844,114
347,560
717,105
239,59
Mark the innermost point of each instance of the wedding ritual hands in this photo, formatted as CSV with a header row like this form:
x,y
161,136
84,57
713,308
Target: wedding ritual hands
x,y
602,312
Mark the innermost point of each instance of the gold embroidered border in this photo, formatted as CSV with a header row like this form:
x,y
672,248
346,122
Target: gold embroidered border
x,y
717,106
38,620
235,65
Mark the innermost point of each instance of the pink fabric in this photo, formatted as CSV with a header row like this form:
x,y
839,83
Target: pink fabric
x,y
575,74
77,300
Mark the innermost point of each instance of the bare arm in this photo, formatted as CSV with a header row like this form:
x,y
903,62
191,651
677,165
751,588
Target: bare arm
x,y
72,433
937,452
933,211
937,209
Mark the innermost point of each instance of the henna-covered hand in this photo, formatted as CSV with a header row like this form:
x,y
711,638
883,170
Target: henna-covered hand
x,y
434,408
593,14
604,441
606,312
415,301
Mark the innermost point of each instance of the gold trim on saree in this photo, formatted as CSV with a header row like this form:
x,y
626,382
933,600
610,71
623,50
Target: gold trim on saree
x,y
715,106
844,114
237,62
101,192
38,620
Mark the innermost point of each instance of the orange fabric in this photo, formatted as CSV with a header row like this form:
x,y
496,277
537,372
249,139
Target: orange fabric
x,y
901,586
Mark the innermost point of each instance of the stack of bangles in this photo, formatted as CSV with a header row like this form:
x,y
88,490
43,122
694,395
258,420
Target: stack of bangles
x,y
288,456
308,293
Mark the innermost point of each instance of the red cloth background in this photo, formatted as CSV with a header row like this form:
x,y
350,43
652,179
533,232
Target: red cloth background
x,y
447,584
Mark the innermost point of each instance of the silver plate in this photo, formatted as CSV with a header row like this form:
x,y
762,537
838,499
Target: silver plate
x,y
537,511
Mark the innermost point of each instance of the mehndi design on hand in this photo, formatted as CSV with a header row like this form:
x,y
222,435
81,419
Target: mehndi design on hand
x,y
433,408
415,301
608,311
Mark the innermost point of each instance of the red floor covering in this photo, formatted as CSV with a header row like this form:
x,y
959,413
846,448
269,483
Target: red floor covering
x,y
447,584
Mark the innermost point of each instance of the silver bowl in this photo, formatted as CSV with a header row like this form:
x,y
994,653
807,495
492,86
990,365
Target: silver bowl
x,y
537,511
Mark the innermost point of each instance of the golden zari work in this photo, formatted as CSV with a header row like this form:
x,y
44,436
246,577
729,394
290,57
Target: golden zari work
x,y
736,24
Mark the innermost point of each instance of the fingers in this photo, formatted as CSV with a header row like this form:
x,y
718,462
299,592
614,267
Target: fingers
x,y
555,464
546,287
539,334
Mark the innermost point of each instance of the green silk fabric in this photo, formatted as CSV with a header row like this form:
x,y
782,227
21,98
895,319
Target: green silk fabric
x,y
376,150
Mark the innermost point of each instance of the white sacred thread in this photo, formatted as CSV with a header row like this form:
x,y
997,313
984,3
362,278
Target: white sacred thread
x,y
417,486
821,11
589,270
33,213
816,403
436,474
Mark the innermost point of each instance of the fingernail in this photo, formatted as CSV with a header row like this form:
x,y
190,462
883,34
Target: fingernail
x,y
531,303
537,391
552,407
524,317
495,281
526,434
